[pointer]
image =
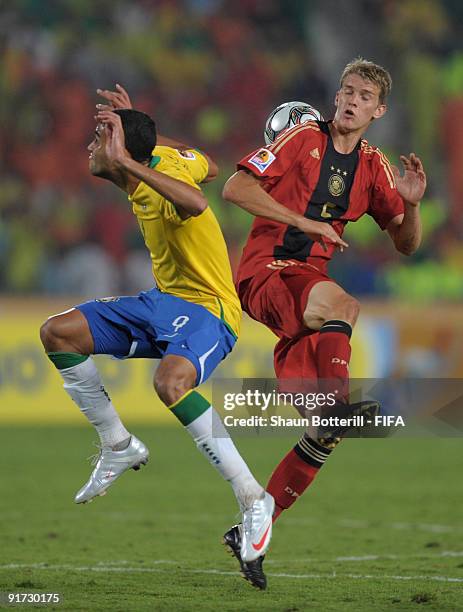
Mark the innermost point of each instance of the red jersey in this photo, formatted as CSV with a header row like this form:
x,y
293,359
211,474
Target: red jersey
x,y
303,171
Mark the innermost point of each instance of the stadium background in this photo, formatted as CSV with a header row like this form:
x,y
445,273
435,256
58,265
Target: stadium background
x,y
210,71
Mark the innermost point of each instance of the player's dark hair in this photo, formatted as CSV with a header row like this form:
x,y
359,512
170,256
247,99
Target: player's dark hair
x,y
140,133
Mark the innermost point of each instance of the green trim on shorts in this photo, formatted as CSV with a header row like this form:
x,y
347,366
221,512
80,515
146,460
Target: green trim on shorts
x,y
222,318
190,407
61,361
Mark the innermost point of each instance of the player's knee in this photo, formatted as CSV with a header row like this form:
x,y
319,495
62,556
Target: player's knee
x,y
348,309
170,387
313,318
344,308
65,333
50,334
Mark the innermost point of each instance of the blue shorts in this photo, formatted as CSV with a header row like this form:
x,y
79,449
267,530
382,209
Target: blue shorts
x,y
153,324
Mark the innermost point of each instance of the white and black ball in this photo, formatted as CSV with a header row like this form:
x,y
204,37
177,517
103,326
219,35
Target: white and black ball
x,y
288,115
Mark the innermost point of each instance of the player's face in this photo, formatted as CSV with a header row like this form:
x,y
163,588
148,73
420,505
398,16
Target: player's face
x,y
357,104
97,158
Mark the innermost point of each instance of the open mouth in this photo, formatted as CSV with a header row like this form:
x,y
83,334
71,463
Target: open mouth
x,y
349,113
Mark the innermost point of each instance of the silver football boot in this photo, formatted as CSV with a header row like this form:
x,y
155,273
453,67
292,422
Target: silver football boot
x,y
257,528
109,466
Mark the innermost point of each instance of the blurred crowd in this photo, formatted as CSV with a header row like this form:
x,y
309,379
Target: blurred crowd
x,y
210,71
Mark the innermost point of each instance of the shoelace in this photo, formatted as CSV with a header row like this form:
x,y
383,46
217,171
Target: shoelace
x,y
94,458
247,523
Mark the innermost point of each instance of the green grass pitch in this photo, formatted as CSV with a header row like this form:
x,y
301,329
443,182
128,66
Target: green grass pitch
x,y
381,528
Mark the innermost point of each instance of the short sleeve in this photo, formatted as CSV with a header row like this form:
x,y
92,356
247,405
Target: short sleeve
x,y
275,160
148,203
386,201
179,171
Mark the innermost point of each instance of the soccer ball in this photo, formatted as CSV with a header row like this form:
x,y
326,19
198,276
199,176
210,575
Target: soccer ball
x,y
288,115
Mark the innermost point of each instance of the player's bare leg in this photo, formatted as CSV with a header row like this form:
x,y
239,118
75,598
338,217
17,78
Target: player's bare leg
x,y
67,332
174,382
326,301
68,342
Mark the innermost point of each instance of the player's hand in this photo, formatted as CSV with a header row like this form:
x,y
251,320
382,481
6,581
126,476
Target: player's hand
x,y
116,99
322,233
115,149
412,185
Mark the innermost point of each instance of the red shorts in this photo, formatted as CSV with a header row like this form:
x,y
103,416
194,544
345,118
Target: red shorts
x,y
277,298
295,357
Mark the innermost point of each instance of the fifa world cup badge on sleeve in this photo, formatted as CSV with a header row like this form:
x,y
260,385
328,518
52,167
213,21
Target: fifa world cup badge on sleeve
x,y
187,154
262,159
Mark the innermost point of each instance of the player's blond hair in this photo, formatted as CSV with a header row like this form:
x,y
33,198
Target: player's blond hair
x,y
371,72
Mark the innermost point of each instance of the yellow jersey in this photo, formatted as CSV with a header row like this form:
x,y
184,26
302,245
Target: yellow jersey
x,y
189,256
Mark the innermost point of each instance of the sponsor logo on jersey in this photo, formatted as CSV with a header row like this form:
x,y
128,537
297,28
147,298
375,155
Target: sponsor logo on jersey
x,y
262,159
315,153
187,154
336,185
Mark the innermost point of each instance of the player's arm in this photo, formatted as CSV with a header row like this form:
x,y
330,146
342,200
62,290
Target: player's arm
x,y
213,169
121,99
245,190
405,229
188,200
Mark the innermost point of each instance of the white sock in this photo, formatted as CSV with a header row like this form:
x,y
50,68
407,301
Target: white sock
x,y
213,440
84,385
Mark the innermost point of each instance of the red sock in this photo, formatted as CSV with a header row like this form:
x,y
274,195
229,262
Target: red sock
x,y
333,356
295,472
